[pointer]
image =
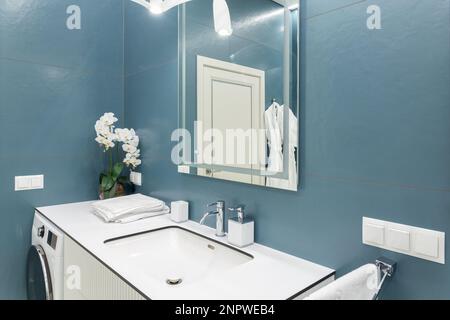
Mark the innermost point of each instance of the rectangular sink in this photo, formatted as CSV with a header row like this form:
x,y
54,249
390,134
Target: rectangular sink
x,y
177,256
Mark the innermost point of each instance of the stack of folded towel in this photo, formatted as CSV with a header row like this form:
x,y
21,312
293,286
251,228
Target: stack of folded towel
x,y
129,208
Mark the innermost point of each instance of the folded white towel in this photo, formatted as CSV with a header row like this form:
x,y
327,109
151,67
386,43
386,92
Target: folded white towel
x,y
138,216
129,208
360,284
143,215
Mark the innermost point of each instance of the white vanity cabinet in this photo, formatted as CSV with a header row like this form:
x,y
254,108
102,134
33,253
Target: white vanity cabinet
x,y
86,278
102,262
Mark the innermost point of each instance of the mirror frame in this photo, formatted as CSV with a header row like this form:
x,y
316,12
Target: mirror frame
x,y
286,93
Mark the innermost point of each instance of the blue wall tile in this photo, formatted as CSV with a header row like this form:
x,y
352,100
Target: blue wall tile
x,y
314,8
143,39
47,106
35,30
395,91
374,137
54,84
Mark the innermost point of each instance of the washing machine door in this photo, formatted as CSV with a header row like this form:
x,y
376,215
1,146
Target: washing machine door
x,y
39,282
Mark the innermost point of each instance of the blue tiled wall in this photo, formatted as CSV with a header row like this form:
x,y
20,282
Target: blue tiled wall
x,y
54,83
374,133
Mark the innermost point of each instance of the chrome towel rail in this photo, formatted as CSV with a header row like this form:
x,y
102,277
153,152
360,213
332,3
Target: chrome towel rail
x,y
387,268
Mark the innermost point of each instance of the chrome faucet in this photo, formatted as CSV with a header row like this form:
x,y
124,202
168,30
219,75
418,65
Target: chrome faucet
x,y
220,217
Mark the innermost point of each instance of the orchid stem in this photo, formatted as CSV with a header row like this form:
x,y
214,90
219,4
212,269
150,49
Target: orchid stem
x,y
110,162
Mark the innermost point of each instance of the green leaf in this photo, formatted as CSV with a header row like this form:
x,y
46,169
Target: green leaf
x,y
123,180
117,170
101,178
112,192
107,183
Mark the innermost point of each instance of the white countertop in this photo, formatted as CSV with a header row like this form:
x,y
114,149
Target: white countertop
x,y
271,275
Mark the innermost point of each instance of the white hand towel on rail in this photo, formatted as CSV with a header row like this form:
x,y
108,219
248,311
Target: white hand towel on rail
x,y
360,284
116,209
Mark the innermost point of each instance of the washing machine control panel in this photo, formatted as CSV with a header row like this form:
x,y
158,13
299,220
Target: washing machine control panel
x,y
52,239
47,235
41,232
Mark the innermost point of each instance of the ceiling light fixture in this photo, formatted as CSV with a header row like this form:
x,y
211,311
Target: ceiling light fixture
x,y
222,19
159,6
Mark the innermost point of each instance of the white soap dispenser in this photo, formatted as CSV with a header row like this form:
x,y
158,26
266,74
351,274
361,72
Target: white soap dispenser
x,y
241,230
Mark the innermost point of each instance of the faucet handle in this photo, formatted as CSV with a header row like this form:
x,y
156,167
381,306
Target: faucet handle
x,y
219,204
240,210
240,207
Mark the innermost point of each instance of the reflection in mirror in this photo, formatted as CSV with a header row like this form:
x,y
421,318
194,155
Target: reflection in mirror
x,y
239,92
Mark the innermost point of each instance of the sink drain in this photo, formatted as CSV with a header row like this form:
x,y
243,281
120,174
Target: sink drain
x,y
174,282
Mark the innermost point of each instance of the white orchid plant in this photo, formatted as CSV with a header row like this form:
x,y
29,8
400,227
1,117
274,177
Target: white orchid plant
x,y
112,183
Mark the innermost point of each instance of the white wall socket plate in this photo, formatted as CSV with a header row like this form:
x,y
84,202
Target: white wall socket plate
x,y
22,183
136,178
417,242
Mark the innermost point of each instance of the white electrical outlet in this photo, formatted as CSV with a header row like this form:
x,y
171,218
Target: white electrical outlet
x,y
136,178
23,183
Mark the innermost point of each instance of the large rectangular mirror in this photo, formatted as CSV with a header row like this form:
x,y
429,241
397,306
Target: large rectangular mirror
x,y
238,90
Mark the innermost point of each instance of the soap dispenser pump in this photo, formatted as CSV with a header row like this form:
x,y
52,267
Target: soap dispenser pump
x,y
241,230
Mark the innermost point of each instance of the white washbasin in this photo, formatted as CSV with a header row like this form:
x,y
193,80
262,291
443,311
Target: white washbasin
x,y
176,256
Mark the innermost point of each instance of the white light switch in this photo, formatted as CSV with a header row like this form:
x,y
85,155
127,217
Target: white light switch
x,y
373,233
22,183
29,182
417,242
37,182
398,239
426,244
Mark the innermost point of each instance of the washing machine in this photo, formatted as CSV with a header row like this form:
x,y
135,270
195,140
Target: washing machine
x,y
45,274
